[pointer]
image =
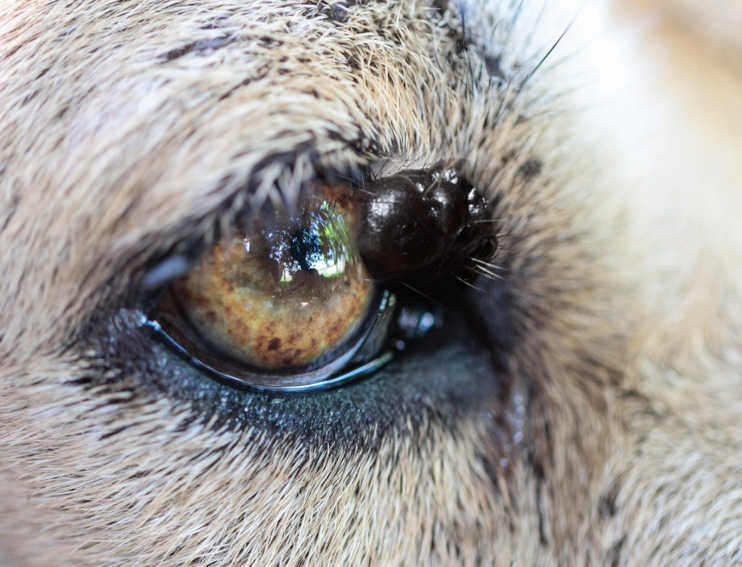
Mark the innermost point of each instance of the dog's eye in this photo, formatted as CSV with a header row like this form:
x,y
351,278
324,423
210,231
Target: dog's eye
x,y
287,303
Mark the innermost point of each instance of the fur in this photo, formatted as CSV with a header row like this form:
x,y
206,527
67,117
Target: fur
x,y
131,128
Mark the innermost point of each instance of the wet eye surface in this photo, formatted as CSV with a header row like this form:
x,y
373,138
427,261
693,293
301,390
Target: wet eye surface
x,y
280,298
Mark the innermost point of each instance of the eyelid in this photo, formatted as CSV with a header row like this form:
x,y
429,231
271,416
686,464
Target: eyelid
x,y
171,266
331,382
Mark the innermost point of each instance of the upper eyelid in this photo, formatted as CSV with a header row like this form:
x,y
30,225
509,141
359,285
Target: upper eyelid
x,y
158,256
173,251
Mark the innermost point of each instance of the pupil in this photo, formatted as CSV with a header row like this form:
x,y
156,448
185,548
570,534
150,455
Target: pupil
x,y
320,245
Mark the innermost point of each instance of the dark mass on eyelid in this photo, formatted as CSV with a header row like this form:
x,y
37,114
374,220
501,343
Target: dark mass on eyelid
x,y
422,225
415,224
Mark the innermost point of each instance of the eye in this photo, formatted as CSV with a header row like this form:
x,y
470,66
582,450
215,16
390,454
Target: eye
x,y
312,300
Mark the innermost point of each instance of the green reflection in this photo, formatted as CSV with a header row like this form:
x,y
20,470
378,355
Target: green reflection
x,y
321,244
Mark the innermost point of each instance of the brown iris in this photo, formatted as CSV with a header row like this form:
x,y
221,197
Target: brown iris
x,y
285,295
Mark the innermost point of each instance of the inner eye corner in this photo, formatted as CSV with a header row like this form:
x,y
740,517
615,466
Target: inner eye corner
x,y
309,300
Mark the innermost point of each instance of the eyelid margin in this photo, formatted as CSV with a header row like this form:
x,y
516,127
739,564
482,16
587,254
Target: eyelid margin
x,y
180,246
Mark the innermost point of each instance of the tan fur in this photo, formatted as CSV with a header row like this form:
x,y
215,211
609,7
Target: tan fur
x,y
119,122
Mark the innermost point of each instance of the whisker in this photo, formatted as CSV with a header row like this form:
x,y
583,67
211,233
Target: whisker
x,y
489,265
485,272
413,289
471,285
546,55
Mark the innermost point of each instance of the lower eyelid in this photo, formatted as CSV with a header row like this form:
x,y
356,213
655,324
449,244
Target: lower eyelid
x,y
447,379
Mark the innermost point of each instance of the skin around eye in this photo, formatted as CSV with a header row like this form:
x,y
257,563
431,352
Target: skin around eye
x,y
281,297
